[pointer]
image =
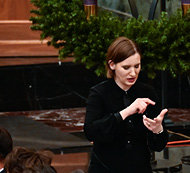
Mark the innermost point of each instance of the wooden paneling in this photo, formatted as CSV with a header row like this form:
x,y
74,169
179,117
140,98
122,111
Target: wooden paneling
x,y
15,9
16,37
32,60
26,50
71,162
17,30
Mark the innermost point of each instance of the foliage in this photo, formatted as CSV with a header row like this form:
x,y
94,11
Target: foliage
x,y
165,43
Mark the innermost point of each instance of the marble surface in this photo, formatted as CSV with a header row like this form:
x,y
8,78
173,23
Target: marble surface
x,y
179,115
72,119
66,120
179,124
47,129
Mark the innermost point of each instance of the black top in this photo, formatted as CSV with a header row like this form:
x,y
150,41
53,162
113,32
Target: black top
x,y
122,146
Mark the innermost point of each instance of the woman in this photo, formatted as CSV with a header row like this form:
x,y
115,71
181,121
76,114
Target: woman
x,y
123,118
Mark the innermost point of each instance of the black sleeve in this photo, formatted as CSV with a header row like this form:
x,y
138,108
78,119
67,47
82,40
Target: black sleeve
x,y
99,126
156,142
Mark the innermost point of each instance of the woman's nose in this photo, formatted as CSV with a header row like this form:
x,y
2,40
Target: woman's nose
x,y
132,72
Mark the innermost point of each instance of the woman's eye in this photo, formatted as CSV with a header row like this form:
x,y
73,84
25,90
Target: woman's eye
x,y
137,66
126,67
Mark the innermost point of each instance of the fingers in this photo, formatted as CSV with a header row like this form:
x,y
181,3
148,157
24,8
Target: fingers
x,y
148,120
148,101
143,103
155,125
140,105
160,117
147,124
163,112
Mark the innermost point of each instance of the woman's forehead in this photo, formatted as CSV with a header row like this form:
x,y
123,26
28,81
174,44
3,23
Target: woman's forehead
x,y
134,59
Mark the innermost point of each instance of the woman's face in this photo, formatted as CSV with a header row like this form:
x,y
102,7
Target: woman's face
x,y
127,71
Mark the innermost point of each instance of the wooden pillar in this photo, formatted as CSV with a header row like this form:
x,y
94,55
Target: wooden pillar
x,y
90,7
185,4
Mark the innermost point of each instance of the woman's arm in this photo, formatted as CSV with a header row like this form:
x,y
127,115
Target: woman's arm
x,y
98,125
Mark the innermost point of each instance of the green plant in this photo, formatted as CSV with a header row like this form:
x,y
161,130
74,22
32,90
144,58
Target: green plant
x,y
165,43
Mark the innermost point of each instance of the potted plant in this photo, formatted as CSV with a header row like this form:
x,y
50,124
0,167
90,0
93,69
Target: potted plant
x,y
165,43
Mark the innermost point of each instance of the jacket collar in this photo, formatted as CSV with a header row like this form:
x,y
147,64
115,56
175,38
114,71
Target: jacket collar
x,y
120,92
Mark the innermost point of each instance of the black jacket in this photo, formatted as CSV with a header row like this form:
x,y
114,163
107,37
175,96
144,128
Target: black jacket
x,y
121,146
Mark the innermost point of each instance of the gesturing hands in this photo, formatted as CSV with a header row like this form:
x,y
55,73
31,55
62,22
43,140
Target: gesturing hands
x,y
155,125
138,106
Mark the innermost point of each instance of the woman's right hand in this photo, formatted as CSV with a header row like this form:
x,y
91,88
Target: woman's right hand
x,y
138,106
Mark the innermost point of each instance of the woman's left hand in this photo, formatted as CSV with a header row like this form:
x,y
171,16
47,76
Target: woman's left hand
x,y
155,125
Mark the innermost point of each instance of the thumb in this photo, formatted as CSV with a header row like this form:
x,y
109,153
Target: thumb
x,y
161,115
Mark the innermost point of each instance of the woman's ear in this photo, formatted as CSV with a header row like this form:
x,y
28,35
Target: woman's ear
x,y
111,65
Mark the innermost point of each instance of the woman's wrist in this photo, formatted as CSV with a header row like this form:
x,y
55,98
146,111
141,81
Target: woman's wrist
x,y
159,131
124,113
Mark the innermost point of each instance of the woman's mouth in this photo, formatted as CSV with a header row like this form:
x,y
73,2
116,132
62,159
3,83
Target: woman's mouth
x,y
131,80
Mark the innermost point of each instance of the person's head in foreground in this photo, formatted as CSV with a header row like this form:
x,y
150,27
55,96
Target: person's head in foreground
x,y
6,145
22,158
